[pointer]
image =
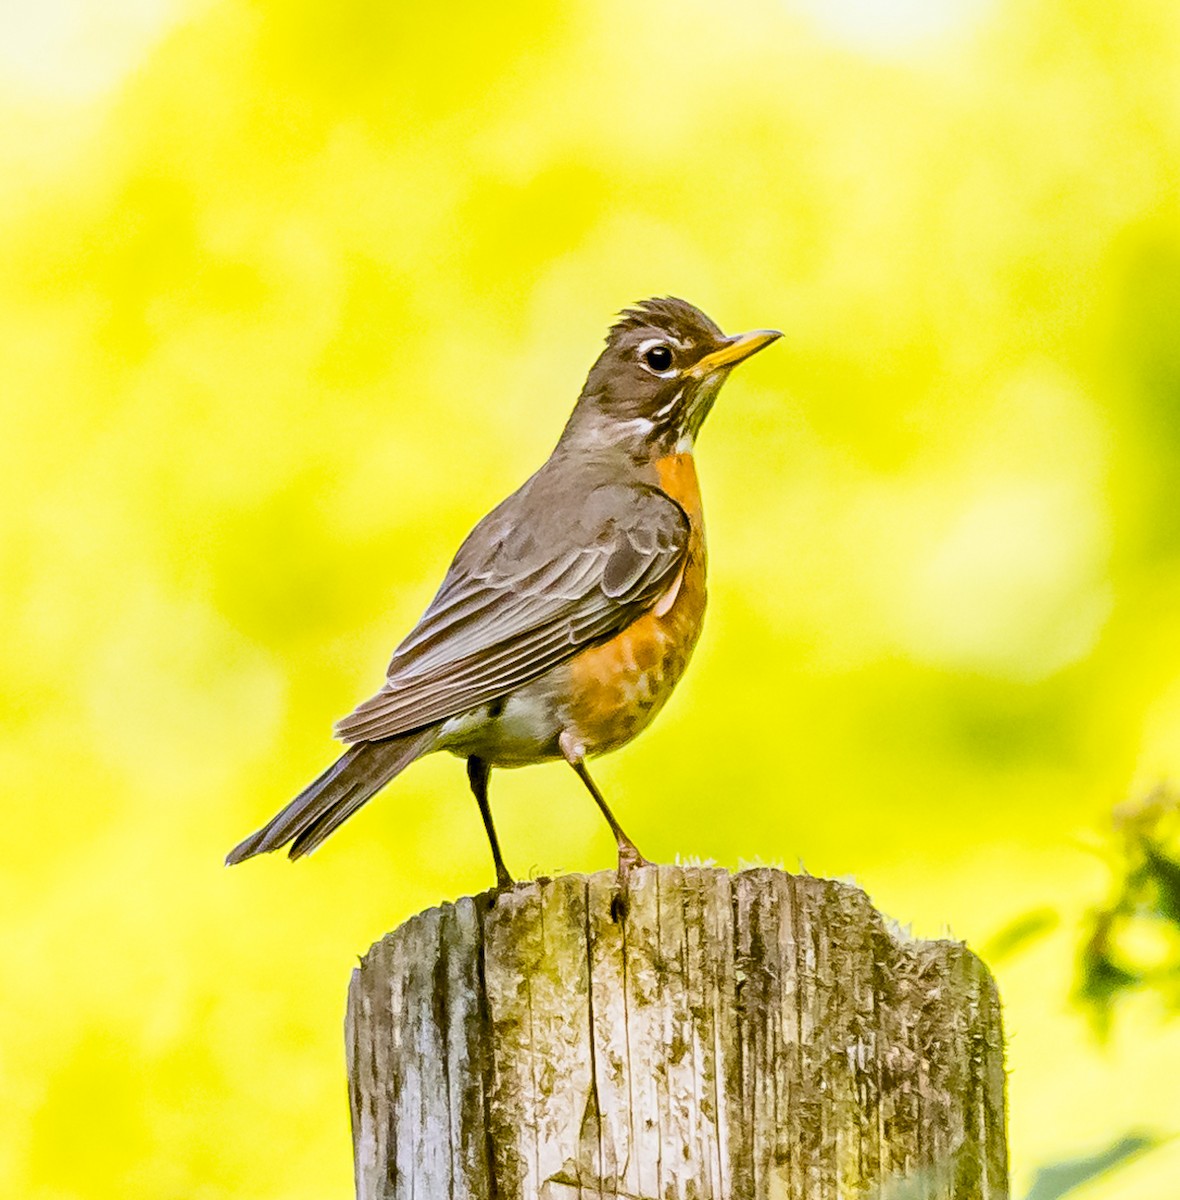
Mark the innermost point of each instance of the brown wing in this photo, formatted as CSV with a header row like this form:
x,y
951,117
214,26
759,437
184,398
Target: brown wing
x,y
526,593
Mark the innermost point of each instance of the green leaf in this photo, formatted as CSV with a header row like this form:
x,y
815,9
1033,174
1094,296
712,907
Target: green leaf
x,y
1165,874
1059,1179
1018,933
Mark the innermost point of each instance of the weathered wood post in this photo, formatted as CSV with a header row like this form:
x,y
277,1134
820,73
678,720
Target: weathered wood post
x,y
692,1035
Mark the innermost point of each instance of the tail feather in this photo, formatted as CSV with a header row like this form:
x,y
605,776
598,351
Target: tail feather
x,y
356,776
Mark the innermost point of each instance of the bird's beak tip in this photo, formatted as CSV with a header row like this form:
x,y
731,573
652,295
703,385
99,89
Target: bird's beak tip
x,y
736,349
757,339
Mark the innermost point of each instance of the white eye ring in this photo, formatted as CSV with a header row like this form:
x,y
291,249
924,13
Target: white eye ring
x,y
645,348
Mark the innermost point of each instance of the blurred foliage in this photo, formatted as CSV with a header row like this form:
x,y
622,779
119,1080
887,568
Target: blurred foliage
x,y
1133,941
1050,1183
1130,945
1018,934
292,293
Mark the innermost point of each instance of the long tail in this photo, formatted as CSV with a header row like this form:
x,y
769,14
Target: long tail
x,y
358,774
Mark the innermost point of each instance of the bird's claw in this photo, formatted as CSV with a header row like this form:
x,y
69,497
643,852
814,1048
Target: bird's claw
x,y
630,857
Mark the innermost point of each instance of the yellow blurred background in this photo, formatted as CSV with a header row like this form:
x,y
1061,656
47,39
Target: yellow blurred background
x,y
292,292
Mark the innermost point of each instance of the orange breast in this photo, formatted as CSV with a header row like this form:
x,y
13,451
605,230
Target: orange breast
x,y
618,687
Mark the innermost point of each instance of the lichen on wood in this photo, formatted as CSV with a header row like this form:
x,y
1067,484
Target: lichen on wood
x,y
680,1033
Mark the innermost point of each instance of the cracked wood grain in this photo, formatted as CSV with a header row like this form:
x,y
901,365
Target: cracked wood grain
x,y
686,1035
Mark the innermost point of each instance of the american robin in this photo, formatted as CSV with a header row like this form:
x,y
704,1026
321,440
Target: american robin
x,y
569,613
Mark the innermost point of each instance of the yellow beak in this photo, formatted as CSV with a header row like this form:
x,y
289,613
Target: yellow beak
x,y
736,349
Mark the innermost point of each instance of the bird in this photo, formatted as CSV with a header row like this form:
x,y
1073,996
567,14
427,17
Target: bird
x,y
569,612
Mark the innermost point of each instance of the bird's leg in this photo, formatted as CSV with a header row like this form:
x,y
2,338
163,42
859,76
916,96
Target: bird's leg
x,y
629,855
478,774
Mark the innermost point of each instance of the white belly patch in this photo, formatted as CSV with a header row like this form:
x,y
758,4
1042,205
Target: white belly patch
x,y
521,728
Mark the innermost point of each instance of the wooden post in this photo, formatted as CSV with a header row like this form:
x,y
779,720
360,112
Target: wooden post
x,y
688,1034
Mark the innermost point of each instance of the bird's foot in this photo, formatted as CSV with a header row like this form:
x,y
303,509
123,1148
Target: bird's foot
x,y
629,860
630,857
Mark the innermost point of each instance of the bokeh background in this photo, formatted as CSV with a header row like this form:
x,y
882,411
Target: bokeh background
x,y
292,292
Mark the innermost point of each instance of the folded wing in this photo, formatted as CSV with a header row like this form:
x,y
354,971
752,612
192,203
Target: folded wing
x,y
523,596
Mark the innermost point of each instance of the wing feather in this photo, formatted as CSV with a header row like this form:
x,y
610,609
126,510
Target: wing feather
x,y
519,600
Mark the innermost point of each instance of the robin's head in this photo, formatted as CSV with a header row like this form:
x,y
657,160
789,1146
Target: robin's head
x,y
656,381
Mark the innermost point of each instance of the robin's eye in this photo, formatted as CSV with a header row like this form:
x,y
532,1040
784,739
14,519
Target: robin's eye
x,y
659,358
